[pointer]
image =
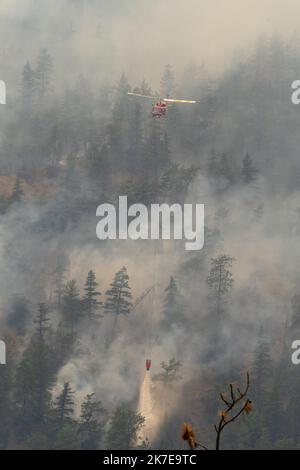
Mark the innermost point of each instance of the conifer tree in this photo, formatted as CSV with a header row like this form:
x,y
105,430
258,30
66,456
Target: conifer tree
x,y
173,304
58,284
19,314
262,373
71,307
65,426
64,406
157,153
292,411
119,296
220,279
44,379
28,84
43,74
212,166
145,89
135,139
6,409
225,168
168,82
119,124
90,425
94,161
275,414
90,303
249,172
170,372
124,427
35,377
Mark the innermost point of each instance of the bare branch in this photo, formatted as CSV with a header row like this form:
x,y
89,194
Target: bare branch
x,y
224,400
224,421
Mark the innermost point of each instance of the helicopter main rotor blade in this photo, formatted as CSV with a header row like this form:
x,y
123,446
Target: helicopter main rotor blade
x,y
142,96
166,100
170,100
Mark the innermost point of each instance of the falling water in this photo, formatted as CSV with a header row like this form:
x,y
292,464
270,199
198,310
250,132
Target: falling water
x,y
146,409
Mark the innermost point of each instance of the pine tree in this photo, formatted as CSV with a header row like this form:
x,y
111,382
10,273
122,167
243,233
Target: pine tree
x,y
165,151
275,414
19,314
119,125
6,409
90,427
168,82
44,381
225,168
43,74
212,167
135,139
122,87
152,160
220,279
119,296
71,307
171,372
262,373
23,396
293,407
249,173
99,168
175,181
28,84
156,154
124,427
64,406
35,378
90,303
94,161
58,285
173,305
65,426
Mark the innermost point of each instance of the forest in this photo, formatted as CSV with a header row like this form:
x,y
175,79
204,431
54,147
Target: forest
x,y
80,316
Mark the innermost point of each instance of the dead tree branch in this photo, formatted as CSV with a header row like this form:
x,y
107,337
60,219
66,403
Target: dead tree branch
x,y
228,415
235,406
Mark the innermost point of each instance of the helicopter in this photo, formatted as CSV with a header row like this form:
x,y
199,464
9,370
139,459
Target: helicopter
x,y
160,107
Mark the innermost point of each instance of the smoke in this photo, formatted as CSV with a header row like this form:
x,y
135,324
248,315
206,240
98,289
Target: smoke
x,y
146,409
86,40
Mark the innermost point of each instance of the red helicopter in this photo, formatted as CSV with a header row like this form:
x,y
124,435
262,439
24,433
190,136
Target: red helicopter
x,y
159,109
